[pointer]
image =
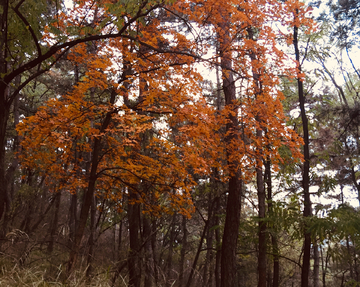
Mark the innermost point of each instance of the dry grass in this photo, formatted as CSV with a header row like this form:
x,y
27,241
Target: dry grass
x,y
37,277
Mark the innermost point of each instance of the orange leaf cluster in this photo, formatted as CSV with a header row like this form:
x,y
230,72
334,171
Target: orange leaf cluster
x,y
159,130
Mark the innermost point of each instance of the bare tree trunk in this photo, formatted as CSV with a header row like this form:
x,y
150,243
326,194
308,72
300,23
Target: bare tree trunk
x,y
4,108
154,249
262,231
306,167
54,223
316,265
274,242
189,282
149,262
209,244
233,207
25,224
134,227
119,240
324,265
119,264
10,172
183,252
218,244
169,259
72,219
91,240
262,274
215,185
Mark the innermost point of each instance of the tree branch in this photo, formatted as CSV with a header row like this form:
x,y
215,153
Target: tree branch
x,y
33,76
28,26
67,45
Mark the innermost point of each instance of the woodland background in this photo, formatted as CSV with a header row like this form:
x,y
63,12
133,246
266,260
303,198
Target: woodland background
x,y
179,143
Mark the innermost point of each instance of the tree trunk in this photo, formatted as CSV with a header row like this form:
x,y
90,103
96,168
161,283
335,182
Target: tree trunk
x,y
4,115
262,229
215,185
259,173
306,167
189,282
154,249
274,242
316,265
183,252
54,223
324,265
134,228
169,259
207,276
119,264
91,240
119,242
233,207
72,219
4,108
149,264
89,192
10,172
218,244
229,241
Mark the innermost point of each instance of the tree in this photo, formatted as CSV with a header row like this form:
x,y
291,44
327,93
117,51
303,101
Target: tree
x,y
114,135
66,31
139,130
306,169
346,15
232,25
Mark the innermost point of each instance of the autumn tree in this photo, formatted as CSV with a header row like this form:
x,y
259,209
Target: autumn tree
x,y
238,51
102,128
136,128
43,43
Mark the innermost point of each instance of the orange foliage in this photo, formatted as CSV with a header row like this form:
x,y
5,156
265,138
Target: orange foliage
x,y
162,131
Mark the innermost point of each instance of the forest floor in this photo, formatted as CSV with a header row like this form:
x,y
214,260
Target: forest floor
x,y
15,276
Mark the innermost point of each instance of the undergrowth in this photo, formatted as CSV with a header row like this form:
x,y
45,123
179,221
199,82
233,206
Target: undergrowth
x,y
37,277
